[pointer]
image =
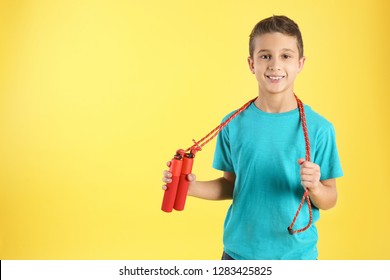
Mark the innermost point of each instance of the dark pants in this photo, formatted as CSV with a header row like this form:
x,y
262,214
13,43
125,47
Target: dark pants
x,y
226,256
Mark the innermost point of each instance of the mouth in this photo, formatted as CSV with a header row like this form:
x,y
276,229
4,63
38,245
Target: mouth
x,y
274,78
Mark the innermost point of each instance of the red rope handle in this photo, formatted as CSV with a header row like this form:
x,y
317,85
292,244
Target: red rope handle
x,y
198,145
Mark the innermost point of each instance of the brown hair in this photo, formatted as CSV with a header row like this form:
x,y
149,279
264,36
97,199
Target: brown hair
x,y
272,24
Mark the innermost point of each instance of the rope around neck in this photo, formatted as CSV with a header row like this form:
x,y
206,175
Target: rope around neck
x,y
198,145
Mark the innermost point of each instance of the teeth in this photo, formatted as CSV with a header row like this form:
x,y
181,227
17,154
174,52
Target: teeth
x,y
275,78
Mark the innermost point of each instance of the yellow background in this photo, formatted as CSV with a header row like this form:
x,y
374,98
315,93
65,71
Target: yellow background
x,y
96,96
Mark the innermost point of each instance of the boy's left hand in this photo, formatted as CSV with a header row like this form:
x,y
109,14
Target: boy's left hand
x,y
310,175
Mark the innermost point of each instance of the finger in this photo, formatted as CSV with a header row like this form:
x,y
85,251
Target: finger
x,y
307,164
164,187
311,165
167,180
307,171
306,184
307,178
313,173
167,174
169,163
191,177
301,160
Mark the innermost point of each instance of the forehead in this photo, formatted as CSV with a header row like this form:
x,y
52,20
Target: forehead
x,y
275,41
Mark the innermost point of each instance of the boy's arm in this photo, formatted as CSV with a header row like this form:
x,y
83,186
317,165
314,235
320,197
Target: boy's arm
x,y
218,189
325,195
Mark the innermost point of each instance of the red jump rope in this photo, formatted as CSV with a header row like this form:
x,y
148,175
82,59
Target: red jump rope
x,y
181,165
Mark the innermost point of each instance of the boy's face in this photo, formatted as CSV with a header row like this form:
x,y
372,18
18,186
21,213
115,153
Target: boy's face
x,y
275,62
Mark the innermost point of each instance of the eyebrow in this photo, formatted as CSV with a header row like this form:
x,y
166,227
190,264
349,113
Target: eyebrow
x,y
285,49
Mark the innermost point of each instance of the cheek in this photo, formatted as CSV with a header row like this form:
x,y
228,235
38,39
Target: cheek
x,y
259,74
293,70
260,69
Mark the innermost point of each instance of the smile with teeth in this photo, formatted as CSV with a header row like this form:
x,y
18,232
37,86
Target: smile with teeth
x,y
275,78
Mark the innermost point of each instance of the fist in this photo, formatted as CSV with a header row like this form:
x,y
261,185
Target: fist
x,y
167,177
310,175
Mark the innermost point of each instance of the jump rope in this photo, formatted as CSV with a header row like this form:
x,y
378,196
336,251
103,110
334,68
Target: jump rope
x,y
181,165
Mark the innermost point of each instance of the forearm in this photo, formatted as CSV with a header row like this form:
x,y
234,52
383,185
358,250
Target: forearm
x,y
325,195
218,189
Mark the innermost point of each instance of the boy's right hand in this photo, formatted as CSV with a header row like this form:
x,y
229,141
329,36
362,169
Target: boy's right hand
x,y
167,177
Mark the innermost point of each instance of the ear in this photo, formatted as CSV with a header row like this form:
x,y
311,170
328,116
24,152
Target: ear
x,y
251,65
301,62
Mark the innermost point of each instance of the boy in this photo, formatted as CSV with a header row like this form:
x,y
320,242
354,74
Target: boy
x,y
261,155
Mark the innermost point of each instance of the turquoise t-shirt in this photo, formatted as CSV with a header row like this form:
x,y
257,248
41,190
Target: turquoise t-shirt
x,y
262,149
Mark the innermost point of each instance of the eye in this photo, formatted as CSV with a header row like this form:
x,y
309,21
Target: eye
x,y
286,56
265,56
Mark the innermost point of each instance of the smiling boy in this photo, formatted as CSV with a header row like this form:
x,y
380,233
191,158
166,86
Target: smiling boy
x,y
261,155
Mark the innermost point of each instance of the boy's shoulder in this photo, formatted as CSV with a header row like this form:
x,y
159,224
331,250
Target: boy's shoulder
x,y
317,123
315,117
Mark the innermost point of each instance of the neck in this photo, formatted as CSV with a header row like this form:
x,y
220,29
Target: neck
x,y
276,103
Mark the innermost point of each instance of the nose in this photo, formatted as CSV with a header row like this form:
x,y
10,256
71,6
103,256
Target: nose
x,y
274,65
274,68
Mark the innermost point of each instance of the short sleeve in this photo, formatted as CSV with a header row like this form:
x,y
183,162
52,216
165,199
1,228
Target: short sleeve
x,y
326,155
222,156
